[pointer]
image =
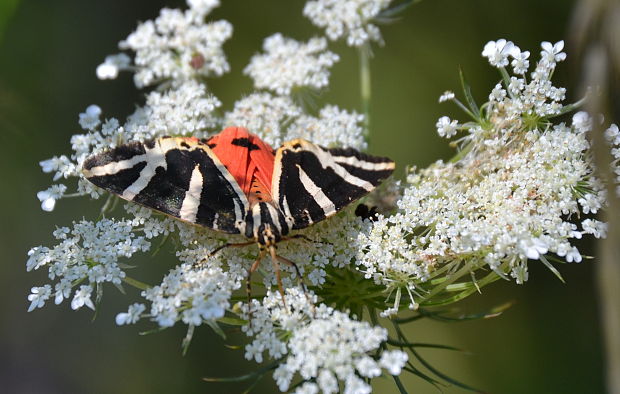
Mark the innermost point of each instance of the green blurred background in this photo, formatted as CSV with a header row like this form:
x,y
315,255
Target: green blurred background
x,y
548,342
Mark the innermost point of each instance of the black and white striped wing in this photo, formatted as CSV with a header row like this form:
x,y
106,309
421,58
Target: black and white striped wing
x,y
311,183
180,177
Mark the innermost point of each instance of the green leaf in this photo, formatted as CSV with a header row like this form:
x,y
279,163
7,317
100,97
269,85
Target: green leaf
x,y
444,316
551,268
394,342
469,98
443,375
161,245
232,321
120,288
399,384
423,376
252,375
153,331
188,339
136,283
216,327
392,13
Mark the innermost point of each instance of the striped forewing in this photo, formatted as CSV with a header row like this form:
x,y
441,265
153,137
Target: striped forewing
x,y
311,183
180,177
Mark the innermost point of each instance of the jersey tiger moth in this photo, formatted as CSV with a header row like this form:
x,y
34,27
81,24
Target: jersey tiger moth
x,y
236,183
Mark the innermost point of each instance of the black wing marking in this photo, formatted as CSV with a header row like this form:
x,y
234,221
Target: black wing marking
x,y
311,183
177,176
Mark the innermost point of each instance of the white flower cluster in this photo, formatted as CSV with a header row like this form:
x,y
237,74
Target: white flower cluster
x,y
509,198
277,119
177,46
612,135
87,252
187,110
325,346
519,97
289,64
352,19
191,294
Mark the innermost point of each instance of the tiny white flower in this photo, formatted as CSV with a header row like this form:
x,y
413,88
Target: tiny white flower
x,y
112,65
498,51
355,385
48,197
327,381
589,203
552,53
612,133
63,290
446,127
307,388
446,96
582,121
90,118
47,201
131,316
520,62
533,248
82,297
498,93
573,255
368,367
393,361
203,7
38,297
595,227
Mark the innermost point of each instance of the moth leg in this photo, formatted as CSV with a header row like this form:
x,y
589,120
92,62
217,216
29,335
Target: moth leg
x,y
231,245
301,280
216,250
248,284
304,237
276,266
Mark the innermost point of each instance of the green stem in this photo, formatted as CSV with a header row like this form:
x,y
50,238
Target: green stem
x,y
136,283
462,153
365,92
452,278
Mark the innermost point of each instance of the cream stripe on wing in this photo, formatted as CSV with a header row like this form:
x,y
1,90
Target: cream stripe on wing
x,y
364,165
326,160
255,219
189,208
115,166
275,218
155,157
288,216
324,202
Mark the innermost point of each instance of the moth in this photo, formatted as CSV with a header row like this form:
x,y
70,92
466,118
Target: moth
x,y
236,183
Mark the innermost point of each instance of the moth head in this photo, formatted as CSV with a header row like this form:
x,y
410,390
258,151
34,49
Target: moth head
x,y
268,235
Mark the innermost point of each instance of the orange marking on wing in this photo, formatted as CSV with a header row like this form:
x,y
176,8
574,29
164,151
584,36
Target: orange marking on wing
x,y
247,159
258,193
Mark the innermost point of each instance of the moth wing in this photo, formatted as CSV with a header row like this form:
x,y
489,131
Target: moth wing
x,y
233,156
181,177
311,183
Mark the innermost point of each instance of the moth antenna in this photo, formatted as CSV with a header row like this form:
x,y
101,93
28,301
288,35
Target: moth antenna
x,y
301,281
276,266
